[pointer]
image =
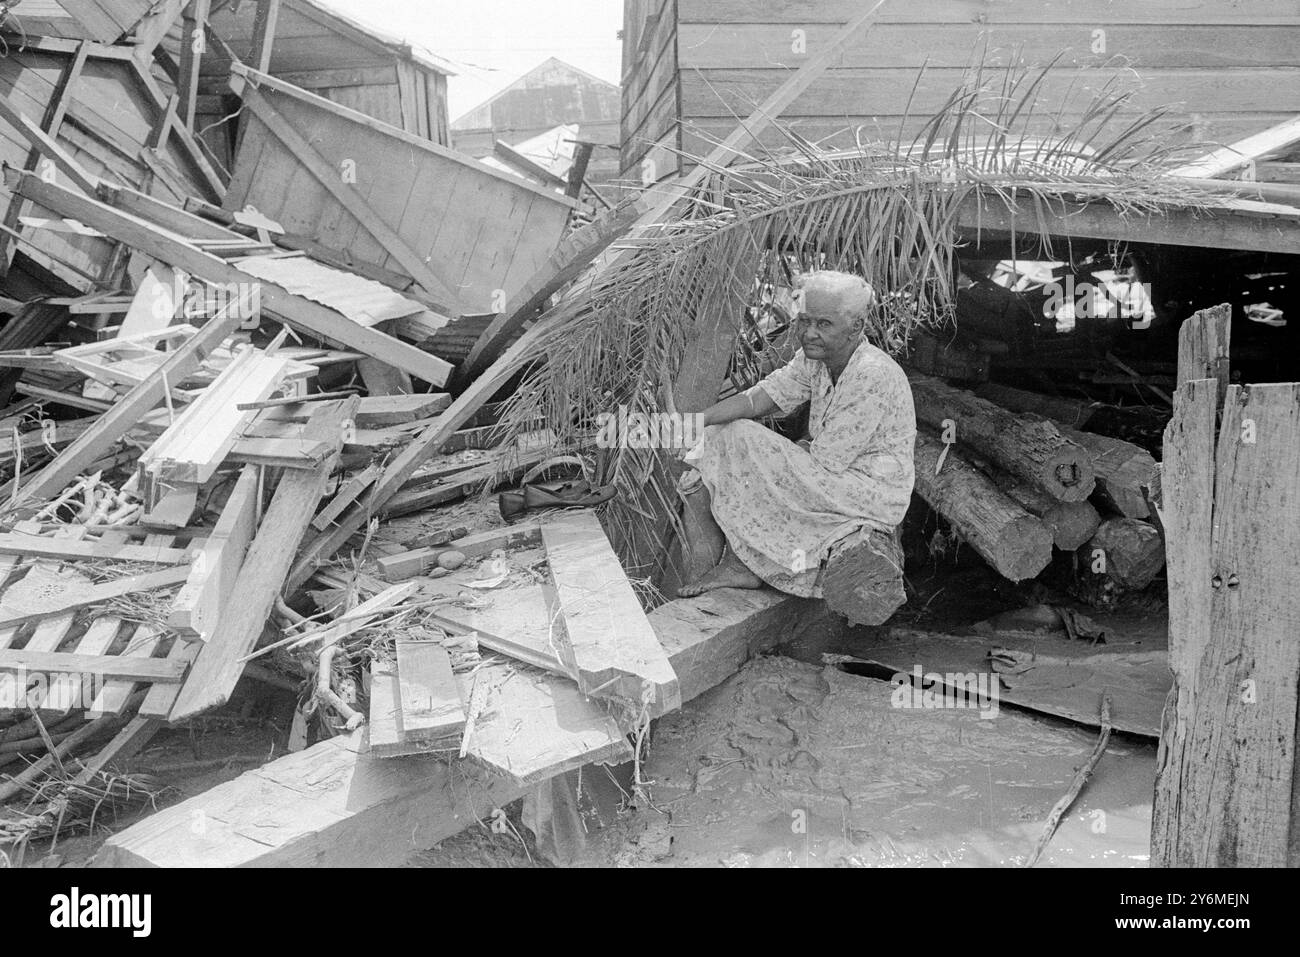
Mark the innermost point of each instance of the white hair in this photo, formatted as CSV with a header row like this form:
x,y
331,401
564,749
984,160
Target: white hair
x,y
840,293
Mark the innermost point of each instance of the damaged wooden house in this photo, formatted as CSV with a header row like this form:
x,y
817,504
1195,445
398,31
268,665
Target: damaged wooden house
x,y
268,340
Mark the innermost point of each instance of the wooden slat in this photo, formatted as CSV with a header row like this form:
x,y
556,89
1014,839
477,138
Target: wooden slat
x,y
43,546
107,666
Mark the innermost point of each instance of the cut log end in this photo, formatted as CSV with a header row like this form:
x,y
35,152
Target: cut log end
x,y
863,580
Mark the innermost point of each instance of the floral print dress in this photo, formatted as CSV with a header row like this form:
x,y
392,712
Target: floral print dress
x,y
783,507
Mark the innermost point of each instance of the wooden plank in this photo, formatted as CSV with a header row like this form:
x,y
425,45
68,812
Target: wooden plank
x,y
1204,347
198,608
105,666
96,594
261,579
427,691
325,173
43,546
279,453
297,310
606,639
384,727
1243,152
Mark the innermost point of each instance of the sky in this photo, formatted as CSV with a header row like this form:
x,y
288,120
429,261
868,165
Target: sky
x,y
491,43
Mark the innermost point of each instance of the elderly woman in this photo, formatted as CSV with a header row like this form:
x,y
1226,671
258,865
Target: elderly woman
x,y
766,509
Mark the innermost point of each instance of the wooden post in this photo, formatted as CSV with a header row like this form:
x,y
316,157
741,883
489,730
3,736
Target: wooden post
x,y
193,39
1203,343
1226,769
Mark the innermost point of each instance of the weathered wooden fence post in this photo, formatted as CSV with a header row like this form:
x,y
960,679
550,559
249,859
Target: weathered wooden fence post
x,y
1226,786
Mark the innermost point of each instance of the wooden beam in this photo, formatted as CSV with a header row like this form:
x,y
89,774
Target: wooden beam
x,y
261,579
512,157
577,174
321,169
268,12
193,38
299,311
123,667
1256,227
606,641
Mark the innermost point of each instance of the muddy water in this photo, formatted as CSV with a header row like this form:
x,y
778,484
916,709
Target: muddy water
x,y
791,764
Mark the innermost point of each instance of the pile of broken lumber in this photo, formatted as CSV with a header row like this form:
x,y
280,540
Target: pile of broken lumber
x,y
1015,481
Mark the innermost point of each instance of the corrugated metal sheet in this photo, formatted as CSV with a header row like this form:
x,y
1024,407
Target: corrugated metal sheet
x,y
362,300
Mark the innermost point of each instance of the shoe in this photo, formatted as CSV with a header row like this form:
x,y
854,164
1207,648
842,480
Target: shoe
x,y
578,492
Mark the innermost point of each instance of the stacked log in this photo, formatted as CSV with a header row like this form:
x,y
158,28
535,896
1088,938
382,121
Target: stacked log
x,y
1124,471
1128,552
1071,523
1014,542
1027,447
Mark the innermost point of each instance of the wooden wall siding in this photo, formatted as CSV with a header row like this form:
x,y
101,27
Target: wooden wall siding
x,y
481,230
102,20
1211,60
107,124
651,89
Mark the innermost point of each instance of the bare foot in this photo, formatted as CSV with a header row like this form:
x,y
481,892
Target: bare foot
x,y
729,573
